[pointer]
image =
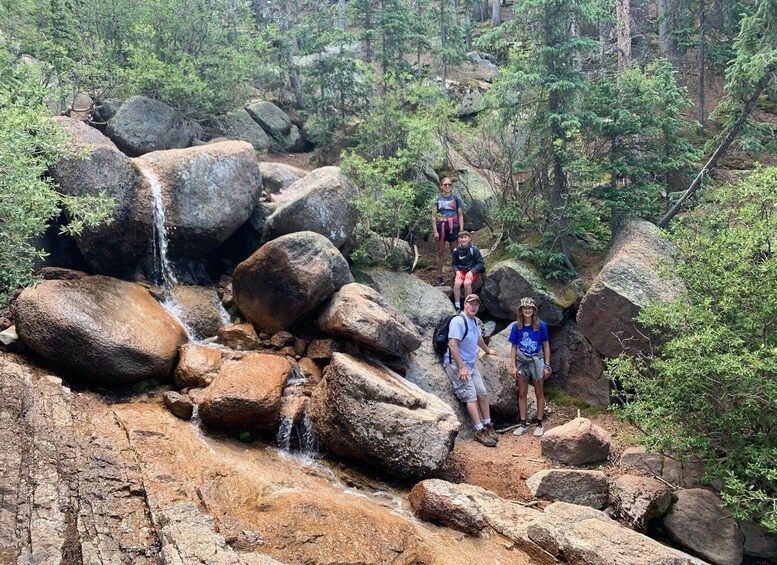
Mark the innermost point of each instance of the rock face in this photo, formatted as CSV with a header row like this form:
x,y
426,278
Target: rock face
x,y
758,541
106,330
272,119
240,125
511,280
587,488
142,125
197,365
424,304
640,499
390,251
441,501
671,470
277,177
576,443
364,412
322,202
246,393
107,169
287,278
698,523
360,314
199,310
208,192
629,281
577,366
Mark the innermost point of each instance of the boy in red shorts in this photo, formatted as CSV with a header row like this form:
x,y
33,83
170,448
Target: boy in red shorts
x,y
467,264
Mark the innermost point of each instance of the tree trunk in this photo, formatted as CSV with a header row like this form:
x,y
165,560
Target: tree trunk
x,y
623,32
702,39
724,144
496,13
663,36
443,46
468,23
417,6
454,7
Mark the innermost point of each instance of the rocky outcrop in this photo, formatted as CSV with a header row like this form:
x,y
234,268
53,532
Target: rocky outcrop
x,y
277,177
629,281
759,542
698,522
272,119
199,308
321,202
360,314
106,330
477,193
640,499
94,165
208,193
577,366
508,282
142,125
390,251
367,413
246,393
577,442
673,471
197,365
288,277
424,304
241,126
440,501
587,488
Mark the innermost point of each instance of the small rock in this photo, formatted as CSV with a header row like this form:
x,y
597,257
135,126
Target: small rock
x,y
640,499
440,501
239,336
180,405
577,442
587,488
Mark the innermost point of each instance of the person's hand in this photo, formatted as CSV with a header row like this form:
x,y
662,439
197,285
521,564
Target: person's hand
x,y
436,235
514,372
463,374
545,372
491,352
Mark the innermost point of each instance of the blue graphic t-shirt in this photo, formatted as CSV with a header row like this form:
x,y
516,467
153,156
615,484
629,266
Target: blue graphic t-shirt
x,y
468,347
448,206
528,340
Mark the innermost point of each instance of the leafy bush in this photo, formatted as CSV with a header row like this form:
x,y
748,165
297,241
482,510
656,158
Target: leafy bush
x,y
711,389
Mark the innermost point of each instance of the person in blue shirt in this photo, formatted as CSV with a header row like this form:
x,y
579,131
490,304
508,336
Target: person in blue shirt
x,y
529,361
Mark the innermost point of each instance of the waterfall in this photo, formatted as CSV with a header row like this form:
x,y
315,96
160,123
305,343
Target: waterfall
x,y
306,441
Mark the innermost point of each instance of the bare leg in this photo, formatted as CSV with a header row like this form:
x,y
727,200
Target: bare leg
x,y
468,286
457,289
472,410
539,391
485,409
440,255
523,390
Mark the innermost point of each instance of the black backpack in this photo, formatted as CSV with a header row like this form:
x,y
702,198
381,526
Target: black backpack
x,y
440,335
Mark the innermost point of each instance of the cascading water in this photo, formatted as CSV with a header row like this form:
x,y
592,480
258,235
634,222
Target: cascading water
x,y
307,444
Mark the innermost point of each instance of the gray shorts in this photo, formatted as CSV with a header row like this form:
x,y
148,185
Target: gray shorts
x,y
469,390
528,371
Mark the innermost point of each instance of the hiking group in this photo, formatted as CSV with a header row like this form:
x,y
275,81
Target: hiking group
x,y
457,338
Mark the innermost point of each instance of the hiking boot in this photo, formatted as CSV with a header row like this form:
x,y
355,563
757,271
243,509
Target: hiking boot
x,y
482,436
492,432
440,282
538,431
520,430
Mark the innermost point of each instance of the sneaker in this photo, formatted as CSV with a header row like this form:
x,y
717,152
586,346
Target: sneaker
x,y
485,438
520,430
538,431
492,432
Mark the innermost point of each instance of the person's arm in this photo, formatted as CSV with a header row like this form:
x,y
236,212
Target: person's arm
x,y
480,264
455,260
453,345
434,221
484,347
546,350
461,215
513,363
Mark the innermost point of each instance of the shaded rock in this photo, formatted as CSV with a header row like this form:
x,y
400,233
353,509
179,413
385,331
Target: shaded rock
x,y
440,501
577,366
577,442
470,101
208,193
179,404
673,471
322,202
476,191
310,371
287,278
323,349
61,274
698,522
277,177
587,488
199,309
390,251
365,412
142,125
511,280
629,281
640,499
241,126
272,119
500,385
759,542
360,314
291,142
424,304
105,111
586,536
239,336
281,339
197,365
115,247
106,330
246,392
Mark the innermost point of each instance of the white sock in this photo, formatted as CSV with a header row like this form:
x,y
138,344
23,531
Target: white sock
x,y
486,422
479,427
457,305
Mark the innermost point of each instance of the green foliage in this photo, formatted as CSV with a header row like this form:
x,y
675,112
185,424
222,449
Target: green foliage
x,y
711,389
29,143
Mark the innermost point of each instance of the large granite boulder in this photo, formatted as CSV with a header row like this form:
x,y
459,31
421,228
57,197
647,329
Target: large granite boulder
x,y
759,542
697,521
390,251
671,470
241,126
360,314
277,177
511,280
577,367
321,202
208,192
106,330
640,499
424,304
477,193
94,165
287,278
199,309
587,488
630,280
246,393
272,119
577,442
197,365
368,413
435,500
142,125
